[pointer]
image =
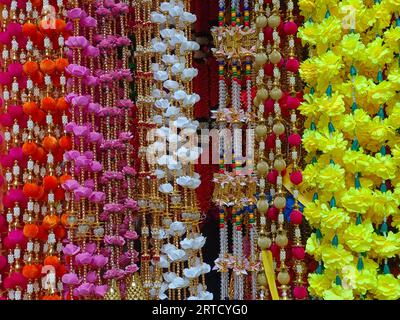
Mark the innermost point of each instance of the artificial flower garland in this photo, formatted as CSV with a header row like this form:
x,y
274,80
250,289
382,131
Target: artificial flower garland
x,y
352,113
173,74
34,110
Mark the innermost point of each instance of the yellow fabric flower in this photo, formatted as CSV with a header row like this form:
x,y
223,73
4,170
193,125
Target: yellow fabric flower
x,y
359,237
313,247
333,218
318,284
308,33
386,247
333,144
382,204
355,161
394,78
392,38
330,106
306,7
331,178
387,288
338,293
308,71
336,257
310,175
309,106
381,93
351,47
366,280
329,32
328,67
356,200
386,168
377,53
311,140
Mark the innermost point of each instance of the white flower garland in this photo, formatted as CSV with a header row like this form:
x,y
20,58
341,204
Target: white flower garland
x,y
171,103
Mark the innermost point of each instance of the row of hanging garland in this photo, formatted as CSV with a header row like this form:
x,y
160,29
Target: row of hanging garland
x,y
257,52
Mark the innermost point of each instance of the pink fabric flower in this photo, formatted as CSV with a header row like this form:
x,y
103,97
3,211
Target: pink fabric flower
x,y
114,240
131,204
71,249
131,269
85,289
131,235
70,279
91,277
89,22
76,13
99,261
70,185
83,258
114,273
100,291
90,247
97,197
82,192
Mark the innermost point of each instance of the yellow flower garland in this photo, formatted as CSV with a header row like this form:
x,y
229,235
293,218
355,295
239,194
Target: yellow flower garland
x,y
353,143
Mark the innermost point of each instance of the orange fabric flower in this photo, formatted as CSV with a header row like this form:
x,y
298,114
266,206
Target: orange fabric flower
x,y
50,143
52,261
50,221
61,104
30,190
48,104
29,29
30,108
29,148
47,66
65,142
31,231
31,271
31,67
50,183
60,25
64,219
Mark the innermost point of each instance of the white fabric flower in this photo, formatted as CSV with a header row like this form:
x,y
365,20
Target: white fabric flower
x,y
169,276
177,68
177,227
169,59
181,122
171,111
162,103
188,17
191,273
165,188
175,11
167,33
193,243
189,73
158,17
157,93
191,100
177,38
160,75
167,247
157,119
171,85
159,173
189,46
177,255
179,283
205,268
159,47
179,95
